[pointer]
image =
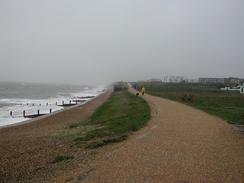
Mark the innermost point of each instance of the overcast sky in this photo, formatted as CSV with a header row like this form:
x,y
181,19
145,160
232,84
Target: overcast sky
x,y
100,41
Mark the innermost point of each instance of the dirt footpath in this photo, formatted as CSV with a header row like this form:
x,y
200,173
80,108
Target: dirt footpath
x,y
180,145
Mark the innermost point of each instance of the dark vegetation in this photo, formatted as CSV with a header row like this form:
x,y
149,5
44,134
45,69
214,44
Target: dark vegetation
x,y
60,158
114,120
120,86
227,105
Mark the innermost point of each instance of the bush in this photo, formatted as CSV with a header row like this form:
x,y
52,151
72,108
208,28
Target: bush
x,y
60,158
187,98
120,86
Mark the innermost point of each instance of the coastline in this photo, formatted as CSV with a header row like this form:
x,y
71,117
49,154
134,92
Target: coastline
x,y
29,148
49,115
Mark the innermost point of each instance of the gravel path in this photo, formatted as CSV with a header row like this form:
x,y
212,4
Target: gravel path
x,y
180,145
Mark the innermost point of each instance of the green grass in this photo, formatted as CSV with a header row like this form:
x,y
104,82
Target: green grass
x,y
60,158
115,119
100,143
227,105
74,125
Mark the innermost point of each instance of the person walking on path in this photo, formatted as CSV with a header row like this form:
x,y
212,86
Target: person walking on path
x,y
143,90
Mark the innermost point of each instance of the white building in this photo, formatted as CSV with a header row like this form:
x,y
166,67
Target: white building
x,y
242,89
239,88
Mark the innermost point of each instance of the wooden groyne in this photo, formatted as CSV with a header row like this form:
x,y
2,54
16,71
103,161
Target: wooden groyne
x,y
38,113
32,115
86,97
72,102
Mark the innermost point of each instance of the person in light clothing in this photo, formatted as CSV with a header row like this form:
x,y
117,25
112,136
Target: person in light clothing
x,y
143,90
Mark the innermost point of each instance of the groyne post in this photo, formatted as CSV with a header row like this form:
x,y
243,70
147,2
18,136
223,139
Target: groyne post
x,y
50,110
38,112
24,113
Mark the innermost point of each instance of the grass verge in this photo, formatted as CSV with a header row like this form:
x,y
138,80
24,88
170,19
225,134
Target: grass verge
x,y
114,120
227,105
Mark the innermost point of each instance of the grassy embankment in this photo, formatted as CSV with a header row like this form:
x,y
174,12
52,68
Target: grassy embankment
x,y
113,121
227,105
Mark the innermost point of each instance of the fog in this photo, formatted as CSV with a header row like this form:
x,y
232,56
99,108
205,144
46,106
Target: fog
x,y
101,41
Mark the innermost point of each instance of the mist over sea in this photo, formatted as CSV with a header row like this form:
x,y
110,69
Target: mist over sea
x,y
17,97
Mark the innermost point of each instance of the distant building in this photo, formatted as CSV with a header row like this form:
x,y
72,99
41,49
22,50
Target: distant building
x,y
212,80
232,81
192,80
173,79
155,81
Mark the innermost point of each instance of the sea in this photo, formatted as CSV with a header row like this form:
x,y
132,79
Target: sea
x,y
33,97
